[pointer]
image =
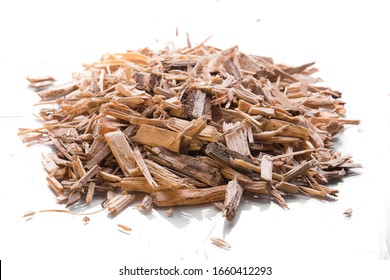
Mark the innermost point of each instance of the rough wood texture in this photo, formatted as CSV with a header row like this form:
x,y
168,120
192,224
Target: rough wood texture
x,y
236,137
232,199
144,169
179,125
188,165
87,176
189,196
155,136
122,152
146,203
119,203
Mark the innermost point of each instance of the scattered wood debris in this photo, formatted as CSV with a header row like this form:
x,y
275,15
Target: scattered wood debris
x,y
39,83
146,203
220,242
29,214
170,212
189,126
86,220
124,229
348,213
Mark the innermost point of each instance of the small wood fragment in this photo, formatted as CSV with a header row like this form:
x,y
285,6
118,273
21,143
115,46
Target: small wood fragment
x,y
146,135
73,197
88,175
137,184
86,220
236,137
277,196
124,229
57,91
188,166
220,242
348,213
144,168
188,196
110,195
196,104
166,178
108,177
99,156
119,203
266,168
54,185
169,212
146,203
78,167
48,163
232,199
38,79
122,151
90,193
298,170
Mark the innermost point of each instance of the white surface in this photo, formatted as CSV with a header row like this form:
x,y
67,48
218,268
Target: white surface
x,y
347,39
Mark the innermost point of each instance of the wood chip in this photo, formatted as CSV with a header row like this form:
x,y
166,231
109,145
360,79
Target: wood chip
x,y
122,151
189,196
236,137
220,242
58,91
232,199
86,220
90,193
188,165
146,135
119,203
144,169
266,168
124,229
87,176
348,213
146,203
170,212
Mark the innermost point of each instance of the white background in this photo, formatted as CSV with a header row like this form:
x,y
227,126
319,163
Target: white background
x,y
349,42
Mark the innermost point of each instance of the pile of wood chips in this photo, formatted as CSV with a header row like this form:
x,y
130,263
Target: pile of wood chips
x,y
189,126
